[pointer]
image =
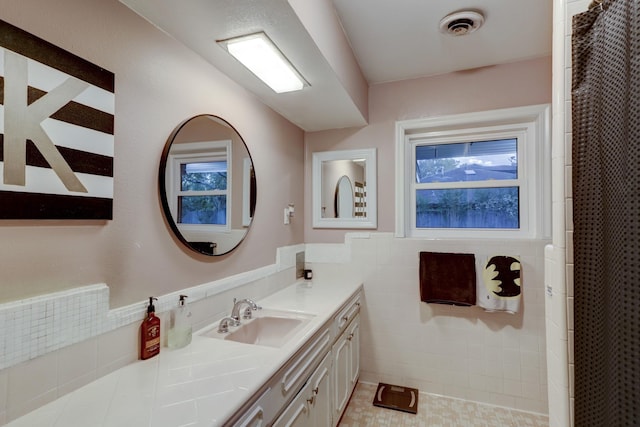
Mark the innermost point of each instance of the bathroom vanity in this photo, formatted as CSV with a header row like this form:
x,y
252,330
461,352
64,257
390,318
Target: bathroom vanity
x,y
313,387
263,375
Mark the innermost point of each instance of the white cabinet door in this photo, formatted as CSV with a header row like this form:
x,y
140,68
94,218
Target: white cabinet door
x,y
322,390
341,377
346,367
353,335
311,407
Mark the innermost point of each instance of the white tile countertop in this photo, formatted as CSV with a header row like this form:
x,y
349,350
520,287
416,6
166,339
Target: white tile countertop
x,y
203,384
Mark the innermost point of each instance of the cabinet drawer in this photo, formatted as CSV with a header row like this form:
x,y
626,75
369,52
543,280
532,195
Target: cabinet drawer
x,y
298,370
346,315
259,414
284,386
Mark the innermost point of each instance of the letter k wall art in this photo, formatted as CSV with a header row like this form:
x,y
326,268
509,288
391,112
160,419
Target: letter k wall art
x,y
56,131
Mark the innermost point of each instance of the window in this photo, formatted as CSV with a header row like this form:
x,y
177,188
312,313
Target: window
x,y
474,175
202,197
200,193
467,185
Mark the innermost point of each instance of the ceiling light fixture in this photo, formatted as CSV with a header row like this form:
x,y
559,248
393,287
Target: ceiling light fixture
x,y
261,56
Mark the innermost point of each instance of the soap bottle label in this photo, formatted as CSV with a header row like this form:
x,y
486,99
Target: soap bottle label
x,y
152,344
150,333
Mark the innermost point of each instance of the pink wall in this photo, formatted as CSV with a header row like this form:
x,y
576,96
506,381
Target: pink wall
x,y
159,83
488,88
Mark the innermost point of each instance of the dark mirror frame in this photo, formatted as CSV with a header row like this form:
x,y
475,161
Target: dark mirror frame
x,y
202,248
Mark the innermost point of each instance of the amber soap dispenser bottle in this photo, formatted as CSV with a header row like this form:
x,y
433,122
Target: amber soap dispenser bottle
x,y
150,333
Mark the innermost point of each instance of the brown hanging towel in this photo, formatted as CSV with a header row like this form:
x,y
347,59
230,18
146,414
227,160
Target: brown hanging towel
x,y
448,278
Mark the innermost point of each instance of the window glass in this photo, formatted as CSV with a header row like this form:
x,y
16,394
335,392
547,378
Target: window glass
x,y
205,176
467,185
202,209
468,208
469,161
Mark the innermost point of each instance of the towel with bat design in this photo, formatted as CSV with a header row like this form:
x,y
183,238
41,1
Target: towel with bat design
x,y
501,286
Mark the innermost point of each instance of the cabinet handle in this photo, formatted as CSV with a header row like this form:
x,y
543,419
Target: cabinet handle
x,y
314,393
345,318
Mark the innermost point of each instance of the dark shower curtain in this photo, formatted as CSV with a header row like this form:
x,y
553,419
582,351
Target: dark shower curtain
x,y
606,212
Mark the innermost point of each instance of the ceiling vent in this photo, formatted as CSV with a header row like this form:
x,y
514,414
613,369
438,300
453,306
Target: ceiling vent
x,y
461,23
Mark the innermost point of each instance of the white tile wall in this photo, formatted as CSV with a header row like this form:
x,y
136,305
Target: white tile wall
x,y
53,344
462,352
559,262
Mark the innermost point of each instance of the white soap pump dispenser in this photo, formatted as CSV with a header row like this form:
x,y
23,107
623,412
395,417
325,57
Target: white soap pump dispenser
x,y
180,331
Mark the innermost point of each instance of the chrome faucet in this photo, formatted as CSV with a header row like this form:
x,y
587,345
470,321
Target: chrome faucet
x,y
235,313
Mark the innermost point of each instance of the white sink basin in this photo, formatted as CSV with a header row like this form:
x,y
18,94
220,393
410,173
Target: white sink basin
x,y
268,328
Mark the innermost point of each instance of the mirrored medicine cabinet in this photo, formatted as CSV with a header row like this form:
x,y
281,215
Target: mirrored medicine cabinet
x,y
344,189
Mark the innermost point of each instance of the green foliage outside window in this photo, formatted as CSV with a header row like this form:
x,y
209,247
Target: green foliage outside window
x,y
205,209
468,208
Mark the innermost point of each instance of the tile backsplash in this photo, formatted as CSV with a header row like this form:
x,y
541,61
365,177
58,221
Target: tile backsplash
x,y
300,260
35,326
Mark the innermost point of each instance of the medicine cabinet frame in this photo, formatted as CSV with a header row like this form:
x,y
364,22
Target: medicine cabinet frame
x,y
330,166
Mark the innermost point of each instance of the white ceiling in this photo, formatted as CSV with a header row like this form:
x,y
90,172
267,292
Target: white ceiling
x,y
400,39
390,39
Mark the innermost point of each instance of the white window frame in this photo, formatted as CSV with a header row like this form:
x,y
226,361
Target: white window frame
x,y
530,125
198,152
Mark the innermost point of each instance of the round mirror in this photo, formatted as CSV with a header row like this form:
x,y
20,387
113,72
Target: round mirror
x,y
207,185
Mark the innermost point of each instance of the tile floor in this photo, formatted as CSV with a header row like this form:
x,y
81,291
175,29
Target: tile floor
x,y
433,411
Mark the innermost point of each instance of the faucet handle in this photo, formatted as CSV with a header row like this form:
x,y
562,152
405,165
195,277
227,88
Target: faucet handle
x,y
225,322
247,313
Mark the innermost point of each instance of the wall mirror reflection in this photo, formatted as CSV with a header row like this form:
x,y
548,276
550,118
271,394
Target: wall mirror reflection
x,y
344,189
207,185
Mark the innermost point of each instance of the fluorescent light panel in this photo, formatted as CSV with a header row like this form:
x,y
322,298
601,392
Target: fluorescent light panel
x,y
258,53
